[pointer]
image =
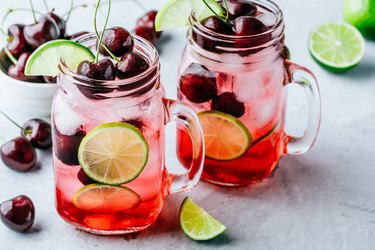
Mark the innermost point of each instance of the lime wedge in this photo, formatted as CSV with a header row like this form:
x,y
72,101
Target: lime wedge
x,y
45,60
337,46
98,198
176,12
361,14
113,153
226,137
197,224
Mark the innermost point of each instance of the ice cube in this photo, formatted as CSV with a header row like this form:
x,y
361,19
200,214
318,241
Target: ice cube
x,y
268,19
67,120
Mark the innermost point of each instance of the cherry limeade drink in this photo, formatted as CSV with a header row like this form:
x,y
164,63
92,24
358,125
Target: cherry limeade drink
x,y
89,119
235,79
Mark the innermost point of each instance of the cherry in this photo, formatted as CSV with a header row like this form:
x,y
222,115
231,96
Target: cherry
x,y
65,147
18,71
138,123
198,84
118,40
102,70
216,24
60,22
147,33
131,64
148,20
18,154
46,29
228,103
238,8
16,43
84,179
18,214
78,34
38,132
247,25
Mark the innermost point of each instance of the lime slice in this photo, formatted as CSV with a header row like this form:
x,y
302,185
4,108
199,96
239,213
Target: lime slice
x,y
45,60
196,223
98,198
226,137
176,12
337,46
113,153
361,14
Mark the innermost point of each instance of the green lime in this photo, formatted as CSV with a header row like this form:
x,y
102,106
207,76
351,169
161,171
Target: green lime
x,y
113,153
226,137
45,60
176,12
337,46
196,223
361,14
99,198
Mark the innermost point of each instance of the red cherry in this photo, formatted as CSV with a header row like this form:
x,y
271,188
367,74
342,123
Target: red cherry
x,y
238,8
146,33
18,71
18,214
38,133
16,43
84,179
228,103
131,64
198,84
148,20
216,24
118,40
45,30
18,154
60,22
102,70
247,25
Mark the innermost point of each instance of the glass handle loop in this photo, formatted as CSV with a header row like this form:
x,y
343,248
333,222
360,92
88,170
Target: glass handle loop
x,y
185,116
306,79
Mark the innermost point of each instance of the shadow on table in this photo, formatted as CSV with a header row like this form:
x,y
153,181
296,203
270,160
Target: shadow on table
x,y
364,70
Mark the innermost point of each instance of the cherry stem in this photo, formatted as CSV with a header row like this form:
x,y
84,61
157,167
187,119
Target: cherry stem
x,y
212,10
15,10
26,131
100,43
46,5
10,56
33,11
226,8
68,14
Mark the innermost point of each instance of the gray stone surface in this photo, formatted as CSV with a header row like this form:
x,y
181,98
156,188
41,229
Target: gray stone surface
x,y
322,200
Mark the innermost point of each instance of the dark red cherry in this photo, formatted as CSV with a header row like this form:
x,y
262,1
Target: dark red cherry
x,y
78,34
138,123
60,22
118,40
238,8
228,103
16,42
146,33
247,26
102,70
18,71
131,64
198,84
148,20
45,30
18,154
216,24
38,132
18,214
65,147
84,179
50,79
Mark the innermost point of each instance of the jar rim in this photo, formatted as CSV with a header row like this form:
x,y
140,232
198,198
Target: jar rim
x,y
141,46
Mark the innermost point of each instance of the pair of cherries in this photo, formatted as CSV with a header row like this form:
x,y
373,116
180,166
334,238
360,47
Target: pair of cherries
x,y
24,39
199,85
19,154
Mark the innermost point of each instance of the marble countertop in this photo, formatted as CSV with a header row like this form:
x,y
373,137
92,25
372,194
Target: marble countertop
x,y
324,199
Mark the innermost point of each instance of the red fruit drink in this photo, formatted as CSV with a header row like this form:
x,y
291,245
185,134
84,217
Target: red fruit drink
x,y
240,74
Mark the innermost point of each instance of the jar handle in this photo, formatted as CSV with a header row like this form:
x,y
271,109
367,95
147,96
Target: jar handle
x,y
183,114
306,79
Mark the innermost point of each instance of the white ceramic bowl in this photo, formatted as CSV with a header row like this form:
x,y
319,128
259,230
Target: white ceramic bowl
x,y
33,99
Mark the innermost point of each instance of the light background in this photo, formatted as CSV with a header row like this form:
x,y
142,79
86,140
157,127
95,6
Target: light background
x,y
322,200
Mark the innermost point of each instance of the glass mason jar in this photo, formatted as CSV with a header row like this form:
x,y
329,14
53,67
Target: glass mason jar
x,y
238,86
82,104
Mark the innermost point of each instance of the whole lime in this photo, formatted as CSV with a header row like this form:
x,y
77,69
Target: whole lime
x,y
361,14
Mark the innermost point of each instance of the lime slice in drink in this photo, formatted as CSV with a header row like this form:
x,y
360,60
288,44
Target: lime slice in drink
x,y
99,198
113,153
337,46
45,60
226,137
197,224
361,14
176,12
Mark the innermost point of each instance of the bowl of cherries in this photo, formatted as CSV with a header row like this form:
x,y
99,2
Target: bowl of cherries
x,y
30,94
